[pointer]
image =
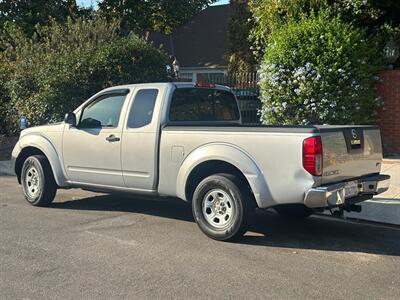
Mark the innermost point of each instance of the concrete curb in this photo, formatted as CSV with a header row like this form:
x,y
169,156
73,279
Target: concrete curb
x,y
391,161
5,168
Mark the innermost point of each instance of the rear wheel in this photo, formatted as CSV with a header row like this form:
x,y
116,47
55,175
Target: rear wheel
x,y
222,207
37,179
294,211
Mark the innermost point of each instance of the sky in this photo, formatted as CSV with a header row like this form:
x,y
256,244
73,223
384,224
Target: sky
x,y
93,2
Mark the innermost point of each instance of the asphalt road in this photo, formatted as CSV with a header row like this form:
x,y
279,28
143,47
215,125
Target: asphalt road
x,y
92,246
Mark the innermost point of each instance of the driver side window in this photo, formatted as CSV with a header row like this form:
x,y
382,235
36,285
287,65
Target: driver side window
x,y
103,112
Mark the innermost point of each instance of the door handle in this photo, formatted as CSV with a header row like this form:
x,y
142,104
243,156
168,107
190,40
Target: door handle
x,y
112,138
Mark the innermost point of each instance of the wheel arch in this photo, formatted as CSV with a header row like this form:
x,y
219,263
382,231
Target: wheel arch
x,y
39,145
212,159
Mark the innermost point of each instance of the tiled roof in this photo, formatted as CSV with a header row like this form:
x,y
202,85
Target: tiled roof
x,y
202,42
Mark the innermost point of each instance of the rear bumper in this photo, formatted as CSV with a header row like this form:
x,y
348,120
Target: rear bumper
x,y
334,195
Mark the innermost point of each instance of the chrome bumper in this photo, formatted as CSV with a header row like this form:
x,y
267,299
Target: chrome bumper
x,y
334,195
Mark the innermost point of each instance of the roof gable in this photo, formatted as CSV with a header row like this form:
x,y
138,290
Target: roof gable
x,y
201,42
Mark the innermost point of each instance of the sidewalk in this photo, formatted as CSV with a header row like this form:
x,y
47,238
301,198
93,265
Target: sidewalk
x,y
384,208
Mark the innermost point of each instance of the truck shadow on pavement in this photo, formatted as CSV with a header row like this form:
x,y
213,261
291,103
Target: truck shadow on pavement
x,y
268,230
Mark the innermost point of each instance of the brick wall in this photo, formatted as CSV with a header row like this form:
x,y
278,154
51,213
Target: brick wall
x,y
388,117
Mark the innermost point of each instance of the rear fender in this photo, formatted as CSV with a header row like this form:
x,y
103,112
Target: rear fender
x,y
230,154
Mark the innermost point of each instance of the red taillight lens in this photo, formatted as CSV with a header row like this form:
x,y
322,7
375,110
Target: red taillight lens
x,y
204,85
312,155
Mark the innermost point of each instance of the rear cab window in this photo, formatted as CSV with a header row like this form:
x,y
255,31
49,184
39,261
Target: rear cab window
x,y
203,105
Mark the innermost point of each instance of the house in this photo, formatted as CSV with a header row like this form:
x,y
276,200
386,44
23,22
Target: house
x,y
200,46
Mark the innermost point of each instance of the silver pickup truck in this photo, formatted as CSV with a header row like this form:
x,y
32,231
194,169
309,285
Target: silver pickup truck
x,y
186,140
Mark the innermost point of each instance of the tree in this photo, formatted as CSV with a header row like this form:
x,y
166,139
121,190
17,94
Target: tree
x,y
377,17
26,14
240,56
22,17
4,98
48,76
368,14
151,15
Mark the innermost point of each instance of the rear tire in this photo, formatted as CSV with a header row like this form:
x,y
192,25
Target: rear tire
x,y
294,211
37,180
223,207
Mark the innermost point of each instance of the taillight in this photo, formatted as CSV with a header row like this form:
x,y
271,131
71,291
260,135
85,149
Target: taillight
x,y
312,155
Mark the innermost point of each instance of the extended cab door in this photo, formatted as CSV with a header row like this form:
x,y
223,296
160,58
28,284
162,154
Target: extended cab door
x,y
92,149
140,138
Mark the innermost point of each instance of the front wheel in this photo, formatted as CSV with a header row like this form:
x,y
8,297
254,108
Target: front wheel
x,y
38,182
222,207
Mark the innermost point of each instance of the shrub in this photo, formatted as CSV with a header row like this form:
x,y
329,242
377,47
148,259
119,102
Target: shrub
x,y
5,108
369,15
56,70
271,15
319,70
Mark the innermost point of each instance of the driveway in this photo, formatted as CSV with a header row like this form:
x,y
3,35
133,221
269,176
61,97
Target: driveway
x,y
94,246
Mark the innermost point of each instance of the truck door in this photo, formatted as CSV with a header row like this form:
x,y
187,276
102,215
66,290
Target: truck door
x,y
140,139
92,149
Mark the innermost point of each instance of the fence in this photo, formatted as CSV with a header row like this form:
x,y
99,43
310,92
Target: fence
x,y
245,87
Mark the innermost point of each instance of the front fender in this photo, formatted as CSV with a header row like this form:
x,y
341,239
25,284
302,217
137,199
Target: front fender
x,y
230,154
42,143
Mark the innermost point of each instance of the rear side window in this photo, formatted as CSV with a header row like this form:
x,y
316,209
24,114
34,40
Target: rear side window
x,y
141,112
201,104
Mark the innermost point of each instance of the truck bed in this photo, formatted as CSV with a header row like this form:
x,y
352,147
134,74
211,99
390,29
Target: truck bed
x,y
277,151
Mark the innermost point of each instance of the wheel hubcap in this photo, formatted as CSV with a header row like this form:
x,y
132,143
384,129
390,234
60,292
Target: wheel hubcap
x,y
218,208
32,181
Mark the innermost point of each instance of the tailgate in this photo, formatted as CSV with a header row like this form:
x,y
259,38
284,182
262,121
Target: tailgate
x,y
349,152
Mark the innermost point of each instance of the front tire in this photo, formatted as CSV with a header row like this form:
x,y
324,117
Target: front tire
x,y
37,180
222,207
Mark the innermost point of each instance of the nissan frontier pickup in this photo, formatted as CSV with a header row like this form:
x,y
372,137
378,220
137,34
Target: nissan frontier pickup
x,y
187,140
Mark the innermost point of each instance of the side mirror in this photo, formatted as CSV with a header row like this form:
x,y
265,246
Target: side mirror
x,y
70,118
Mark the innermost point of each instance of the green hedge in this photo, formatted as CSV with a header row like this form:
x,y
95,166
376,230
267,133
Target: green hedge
x,y
62,65
319,70
5,107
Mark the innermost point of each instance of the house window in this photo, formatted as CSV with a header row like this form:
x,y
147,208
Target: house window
x,y
184,76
